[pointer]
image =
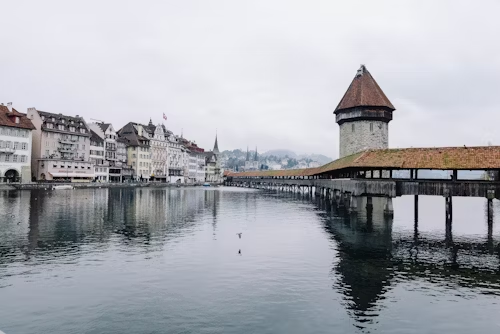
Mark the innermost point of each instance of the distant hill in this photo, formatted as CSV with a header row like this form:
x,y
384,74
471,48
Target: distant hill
x,y
322,159
275,159
280,153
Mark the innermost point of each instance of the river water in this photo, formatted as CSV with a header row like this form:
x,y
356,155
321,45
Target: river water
x,y
170,261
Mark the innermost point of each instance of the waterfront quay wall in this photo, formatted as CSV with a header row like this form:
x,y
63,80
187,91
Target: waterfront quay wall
x,y
31,186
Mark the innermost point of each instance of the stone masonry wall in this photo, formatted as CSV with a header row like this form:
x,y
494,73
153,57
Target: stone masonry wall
x,y
363,136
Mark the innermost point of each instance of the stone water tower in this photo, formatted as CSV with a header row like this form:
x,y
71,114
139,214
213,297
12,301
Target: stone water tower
x,y
363,115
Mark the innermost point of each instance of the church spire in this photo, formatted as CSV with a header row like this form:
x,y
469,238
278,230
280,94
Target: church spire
x,y
216,145
248,155
256,157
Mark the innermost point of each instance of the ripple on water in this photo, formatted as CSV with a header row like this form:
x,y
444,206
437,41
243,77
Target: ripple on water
x,y
113,260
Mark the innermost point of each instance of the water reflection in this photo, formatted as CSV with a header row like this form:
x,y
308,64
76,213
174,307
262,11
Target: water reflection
x,y
59,223
369,256
372,259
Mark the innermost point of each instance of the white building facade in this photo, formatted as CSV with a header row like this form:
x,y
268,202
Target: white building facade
x,y
97,157
159,153
15,145
175,160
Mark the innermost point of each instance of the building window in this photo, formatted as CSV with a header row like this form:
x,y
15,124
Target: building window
x,y
352,127
14,159
72,128
7,158
371,127
16,145
23,158
47,153
60,127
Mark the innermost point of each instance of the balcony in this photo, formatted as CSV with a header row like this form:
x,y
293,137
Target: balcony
x,y
66,149
67,141
7,150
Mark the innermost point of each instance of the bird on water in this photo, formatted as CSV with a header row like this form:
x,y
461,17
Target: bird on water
x,y
239,234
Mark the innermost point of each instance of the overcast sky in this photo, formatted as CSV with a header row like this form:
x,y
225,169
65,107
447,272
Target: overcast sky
x,y
263,73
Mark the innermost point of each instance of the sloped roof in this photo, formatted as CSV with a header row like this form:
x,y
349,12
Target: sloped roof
x,y
5,120
104,126
66,121
94,137
441,158
129,132
364,92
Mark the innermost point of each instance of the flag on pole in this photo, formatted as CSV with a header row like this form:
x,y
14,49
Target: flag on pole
x,y
164,116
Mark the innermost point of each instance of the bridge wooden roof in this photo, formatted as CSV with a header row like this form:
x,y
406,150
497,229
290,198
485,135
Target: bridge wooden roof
x,y
442,158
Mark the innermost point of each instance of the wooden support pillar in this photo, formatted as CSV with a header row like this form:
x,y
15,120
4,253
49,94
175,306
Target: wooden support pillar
x,y
411,174
455,175
448,217
341,199
353,204
416,209
389,209
369,203
489,198
390,174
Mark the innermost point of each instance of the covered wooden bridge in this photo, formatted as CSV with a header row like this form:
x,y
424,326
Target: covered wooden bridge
x,y
389,173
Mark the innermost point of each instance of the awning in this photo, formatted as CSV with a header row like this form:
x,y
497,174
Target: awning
x,y
86,175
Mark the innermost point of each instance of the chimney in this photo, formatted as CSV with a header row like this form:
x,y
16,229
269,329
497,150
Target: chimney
x,y
9,106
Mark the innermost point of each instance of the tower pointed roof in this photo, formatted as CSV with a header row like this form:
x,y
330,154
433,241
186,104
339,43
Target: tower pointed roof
x,y
248,155
216,146
364,92
256,157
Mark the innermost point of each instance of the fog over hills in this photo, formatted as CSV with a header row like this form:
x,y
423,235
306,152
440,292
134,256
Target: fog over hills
x,y
282,153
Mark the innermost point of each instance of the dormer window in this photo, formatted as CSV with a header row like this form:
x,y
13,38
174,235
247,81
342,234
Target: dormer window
x,y
17,120
61,127
62,121
53,119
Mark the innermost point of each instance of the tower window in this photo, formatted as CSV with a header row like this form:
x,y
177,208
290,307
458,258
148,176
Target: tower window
x,y
352,127
371,127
